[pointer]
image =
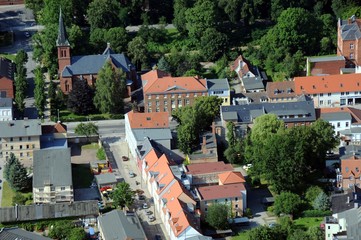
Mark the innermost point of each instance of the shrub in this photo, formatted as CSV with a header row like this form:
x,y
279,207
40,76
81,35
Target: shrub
x,y
317,213
248,213
101,154
271,209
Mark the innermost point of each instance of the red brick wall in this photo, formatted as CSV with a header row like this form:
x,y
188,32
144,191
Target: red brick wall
x,y
293,124
331,67
63,58
11,2
7,85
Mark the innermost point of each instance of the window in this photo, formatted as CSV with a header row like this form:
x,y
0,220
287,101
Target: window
x,y
203,94
150,109
62,188
357,169
321,102
205,209
33,146
149,104
165,96
21,154
165,102
195,94
346,169
62,197
149,96
351,46
20,138
329,94
173,95
157,109
41,189
351,55
338,124
321,94
157,96
226,200
236,206
157,103
29,138
347,123
21,147
187,95
52,188
328,102
179,95
218,92
342,93
187,101
315,95
27,146
236,199
165,109
11,139
172,102
179,102
27,154
11,147
347,93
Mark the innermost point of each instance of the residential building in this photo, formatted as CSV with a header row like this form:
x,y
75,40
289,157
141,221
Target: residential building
x,y
338,120
163,93
243,68
7,69
219,88
281,91
6,109
139,126
52,177
331,90
348,39
253,84
54,136
344,225
87,67
120,225
301,112
16,233
207,173
106,180
20,137
248,98
349,175
230,190
207,149
325,65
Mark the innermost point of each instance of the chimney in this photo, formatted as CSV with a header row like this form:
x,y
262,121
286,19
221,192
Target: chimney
x,y
213,128
355,205
108,44
348,200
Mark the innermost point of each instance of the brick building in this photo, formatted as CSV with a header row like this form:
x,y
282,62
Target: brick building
x,y
325,65
7,69
349,176
72,68
163,93
11,2
349,39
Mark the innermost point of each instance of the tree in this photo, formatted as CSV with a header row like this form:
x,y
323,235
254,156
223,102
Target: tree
x,y
109,89
213,44
234,152
312,193
21,58
9,163
21,83
123,195
316,233
288,203
264,233
61,229
104,14
77,233
322,202
232,9
231,138
39,91
179,20
80,99
137,50
187,137
87,129
118,39
101,154
298,234
17,175
163,65
265,126
217,216
200,17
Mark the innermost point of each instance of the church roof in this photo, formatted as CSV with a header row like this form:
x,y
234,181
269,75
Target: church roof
x,y
62,36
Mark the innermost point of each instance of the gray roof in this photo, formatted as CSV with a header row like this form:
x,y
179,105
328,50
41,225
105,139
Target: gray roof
x,y
20,128
252,83
153,133
218,84
347,70
19,234
326,59
91,64
247,113
147,145
52,166
336,116
350,31
62,36
116,225
353,220
105,178
6,102
351,131
7,68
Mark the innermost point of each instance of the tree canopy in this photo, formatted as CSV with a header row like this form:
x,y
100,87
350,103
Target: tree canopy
x,y
287,202
16,174
87,129
80,99
123,195
217,215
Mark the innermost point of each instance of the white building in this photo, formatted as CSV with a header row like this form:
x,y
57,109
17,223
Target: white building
x,y
339,120
6,109
344,225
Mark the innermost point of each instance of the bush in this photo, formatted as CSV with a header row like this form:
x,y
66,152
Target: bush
x,y
248,213
101,154
317,213
271,209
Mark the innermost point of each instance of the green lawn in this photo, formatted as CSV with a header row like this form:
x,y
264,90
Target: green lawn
x,y
90,146
241,236
82,176
8,56
308,222
7,195
67,116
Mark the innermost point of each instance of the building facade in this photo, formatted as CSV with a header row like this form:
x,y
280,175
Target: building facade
x,y
7,69
52,176
348,39
163,93
221,89
6,109
20,137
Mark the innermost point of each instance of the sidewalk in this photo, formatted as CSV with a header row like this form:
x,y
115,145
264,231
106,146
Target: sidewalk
x,y
119,149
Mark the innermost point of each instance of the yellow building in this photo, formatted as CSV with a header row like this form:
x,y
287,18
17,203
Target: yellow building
x,y
219,88
20,137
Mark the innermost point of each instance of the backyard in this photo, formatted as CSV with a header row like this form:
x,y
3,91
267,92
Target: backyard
x,y
7,195
82,176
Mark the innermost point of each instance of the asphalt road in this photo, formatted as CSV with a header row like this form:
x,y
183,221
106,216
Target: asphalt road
x,y
106,128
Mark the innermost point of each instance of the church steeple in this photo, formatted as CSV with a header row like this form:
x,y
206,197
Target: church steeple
x,y
62,37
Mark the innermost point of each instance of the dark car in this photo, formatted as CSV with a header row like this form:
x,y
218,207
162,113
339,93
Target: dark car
x,y
157,237
125,158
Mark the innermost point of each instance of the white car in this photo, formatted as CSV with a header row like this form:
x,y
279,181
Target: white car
x,y
151,218
145,206
27,34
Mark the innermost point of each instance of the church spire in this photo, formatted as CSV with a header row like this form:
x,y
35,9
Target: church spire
x,y
62,38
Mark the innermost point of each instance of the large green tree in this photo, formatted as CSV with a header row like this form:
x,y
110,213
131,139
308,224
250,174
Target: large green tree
x,y
217,215
179,20
20,82
322,202
39,91
123,195
109,89
17,175
288,203
117,37
104,14
87,129
138,52
80,99
213,44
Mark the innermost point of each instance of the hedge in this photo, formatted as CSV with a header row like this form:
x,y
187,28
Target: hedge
x,y
316,213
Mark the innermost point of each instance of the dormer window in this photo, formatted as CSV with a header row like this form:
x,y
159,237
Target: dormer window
x,y
352,46
347,169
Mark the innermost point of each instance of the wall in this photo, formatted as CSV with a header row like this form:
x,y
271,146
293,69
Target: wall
x,y
56,195
237,205
27,145
6,114
7,86
11,2
331,67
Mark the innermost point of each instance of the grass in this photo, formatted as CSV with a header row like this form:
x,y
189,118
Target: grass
x,y
7,195
67,116
94,146
241,236
8,56
308,222
82,176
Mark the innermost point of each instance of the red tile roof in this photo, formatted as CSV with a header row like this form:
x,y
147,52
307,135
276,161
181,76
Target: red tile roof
x,y
57,128
328,84
157,81
281,89
221,191
351,167
212,167
148,120
231,177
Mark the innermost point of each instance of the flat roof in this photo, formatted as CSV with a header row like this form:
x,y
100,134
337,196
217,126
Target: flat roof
x,y
105,178
326,58
20,128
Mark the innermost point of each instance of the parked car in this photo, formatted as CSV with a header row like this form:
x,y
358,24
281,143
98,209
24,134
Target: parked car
x,y
125,158
27,34
131,174
157,237
145,206
151,218
148,212
141,197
